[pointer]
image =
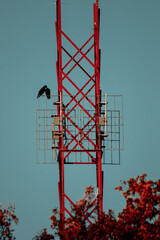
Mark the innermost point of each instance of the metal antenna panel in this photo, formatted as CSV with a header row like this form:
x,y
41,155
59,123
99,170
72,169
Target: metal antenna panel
x,y
79,129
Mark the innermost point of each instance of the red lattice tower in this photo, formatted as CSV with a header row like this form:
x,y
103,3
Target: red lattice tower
x,y
94,85
77,125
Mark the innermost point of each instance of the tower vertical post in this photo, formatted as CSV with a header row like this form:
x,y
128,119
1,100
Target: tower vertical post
x,y
96,12
59,109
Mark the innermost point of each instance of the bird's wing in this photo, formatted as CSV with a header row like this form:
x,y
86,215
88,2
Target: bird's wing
x,y
48,93
41,91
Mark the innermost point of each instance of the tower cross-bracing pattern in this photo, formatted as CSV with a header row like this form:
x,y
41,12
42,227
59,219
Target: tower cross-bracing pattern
x,y
77,125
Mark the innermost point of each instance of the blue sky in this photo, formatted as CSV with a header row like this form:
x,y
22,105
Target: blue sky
x,y
130,65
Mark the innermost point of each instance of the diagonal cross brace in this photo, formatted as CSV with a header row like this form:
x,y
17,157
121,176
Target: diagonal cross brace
x,y
79,93
77,52
77,62
86,217
78,49
78,89
78,103
83,129
77,144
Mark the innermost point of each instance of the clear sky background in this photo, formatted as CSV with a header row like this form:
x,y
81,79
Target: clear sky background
x,y
130,65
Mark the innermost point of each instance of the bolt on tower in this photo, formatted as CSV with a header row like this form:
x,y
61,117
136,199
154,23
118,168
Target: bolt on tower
x,y
79,124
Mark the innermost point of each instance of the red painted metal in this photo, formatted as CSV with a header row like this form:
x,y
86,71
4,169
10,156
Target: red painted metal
x,y
93,83
59,109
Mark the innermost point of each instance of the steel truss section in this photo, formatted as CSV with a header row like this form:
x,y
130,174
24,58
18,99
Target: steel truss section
x,y
92,85
78,124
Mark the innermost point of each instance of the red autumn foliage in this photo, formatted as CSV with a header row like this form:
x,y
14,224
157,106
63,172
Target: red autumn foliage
x,y
44,235
7,217
140,219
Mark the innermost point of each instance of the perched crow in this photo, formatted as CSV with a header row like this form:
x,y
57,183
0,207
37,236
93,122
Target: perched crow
x,y
45,90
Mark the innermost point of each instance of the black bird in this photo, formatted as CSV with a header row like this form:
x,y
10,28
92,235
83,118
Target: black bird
x,y
45,90
41,91
48,93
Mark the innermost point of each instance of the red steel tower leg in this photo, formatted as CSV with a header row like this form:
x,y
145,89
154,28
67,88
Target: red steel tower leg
x,y
98,113
93,84
59,109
